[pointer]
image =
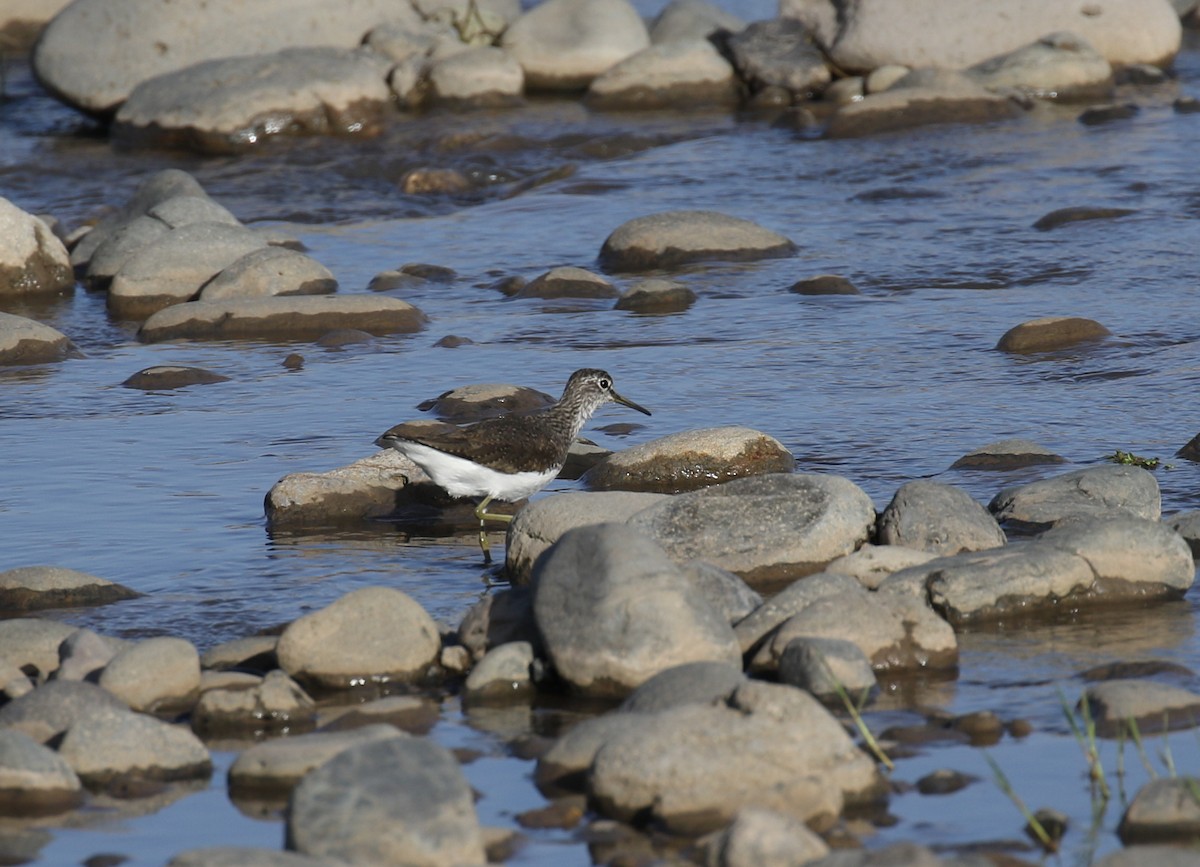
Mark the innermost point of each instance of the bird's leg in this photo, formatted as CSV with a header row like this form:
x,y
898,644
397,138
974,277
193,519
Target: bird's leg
x,y
483,514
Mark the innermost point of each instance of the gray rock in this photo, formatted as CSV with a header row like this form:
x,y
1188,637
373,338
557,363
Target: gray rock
x,y
410,803
484,77
27,588
293,317
1099,491
275,703
34,779
947,99
1162,810
1058,65
1051,333
165,377
871,564
564,44
764,838
270,271
33,261
155,675
364,489
1048,330
1154,706
408,43
93,55
1128,555
691,459
179,211
656,295
175,267
31,642
499,618
543,522
942,519
797,596
471,403
780,53
56,706
676,74
253,653
1187,525
84,653
568,282
692,19
504,674
411,713
613,611
895,855
25,341
1007,455
768,529
729,595
372,634
672,238
564,766
110,746
826,284
14,683
274,767
702,682
243,856
823,665
953,35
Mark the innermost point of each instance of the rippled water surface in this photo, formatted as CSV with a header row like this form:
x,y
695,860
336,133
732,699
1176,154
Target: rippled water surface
x,y
163,491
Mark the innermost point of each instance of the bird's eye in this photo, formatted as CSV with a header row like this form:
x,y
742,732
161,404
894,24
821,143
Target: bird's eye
x,y
605,384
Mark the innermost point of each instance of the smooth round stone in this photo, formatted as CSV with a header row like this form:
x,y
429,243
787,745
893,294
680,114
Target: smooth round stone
x,y
121,746
504,674
912,104
34,780
275,703
703,682
32,643
692,19
871,564
779,52
757,838
33,261
160,674
1009,454
31,587
729,595
568,282
942,519
56,706
270,271
795,597
1162,810
673,238
499,618
276,766
1099,491
364,489
483,77
1059,65
254,653
824,284
84,653
673,75
823,666
1051,333
25,341
166,377
656,295
426,181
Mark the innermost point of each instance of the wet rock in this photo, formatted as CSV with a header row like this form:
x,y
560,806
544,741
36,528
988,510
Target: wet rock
x,y
486,400
692,19
31,644
672,238
1051,333
983,727
824,284
276,703
704,682
780,53
410,802
1128,553
568,282
428,180
33,261
28,588
944,782
255,653
822,666
764,838
1187,525
1009,454
942,519
95,54
178,211
453,341
613,611
499,618
920,100
298,317
373,634
1099,114
798,595
690,460
504,674
25,341
767,529
840,92
675,74
156,675
112,746
270,271
543,522
1136,669
883,77
413,714
1186,105
415,45
276,766
951,35
34,780
564,813
344,337
728,594
1162,855
166,377
1063,216
656,295
1099,491
1056,66
84,653
871,564
364,489
564,44
1154,706
242,856
56,706
477,78
563,767
1162,810
173,268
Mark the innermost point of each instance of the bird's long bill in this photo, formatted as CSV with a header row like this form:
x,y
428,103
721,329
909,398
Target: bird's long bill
x,y
627,402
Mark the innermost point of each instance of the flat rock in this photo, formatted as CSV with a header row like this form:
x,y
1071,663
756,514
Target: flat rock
x,y
764,838
675,74
484,77
690,460
613,611
94,55
359,491
504,674
408,801
692,19
243,856
299,317
270,271
1058,66
160,674
33,261
779,53
274,703
1161,811
656,296
1051,333
672,238
871,564
28,588
26,341
1099,491
543,522
951,34
114,746
1008,454
1151,855
34,779
564,44
947,99
252,653
410,713
568,282
1083,213
767,529
32,644
164,377
1130,555
276,766
938,518
374,634
1153,706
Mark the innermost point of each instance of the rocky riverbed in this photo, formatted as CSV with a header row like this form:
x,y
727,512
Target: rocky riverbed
x,y
904,554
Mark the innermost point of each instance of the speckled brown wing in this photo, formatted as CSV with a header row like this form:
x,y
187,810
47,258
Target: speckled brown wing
x,y
509,444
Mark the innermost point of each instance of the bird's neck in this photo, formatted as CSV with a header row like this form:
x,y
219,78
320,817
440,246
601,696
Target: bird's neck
x,y
570,415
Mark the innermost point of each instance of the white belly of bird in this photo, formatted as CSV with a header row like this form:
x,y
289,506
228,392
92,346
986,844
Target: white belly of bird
x,y
462,478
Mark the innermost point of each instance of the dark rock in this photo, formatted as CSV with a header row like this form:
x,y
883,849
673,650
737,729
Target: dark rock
x,y
1062,216
166,377
824,284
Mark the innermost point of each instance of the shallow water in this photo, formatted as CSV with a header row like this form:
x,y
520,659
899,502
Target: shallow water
x,y
163,491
